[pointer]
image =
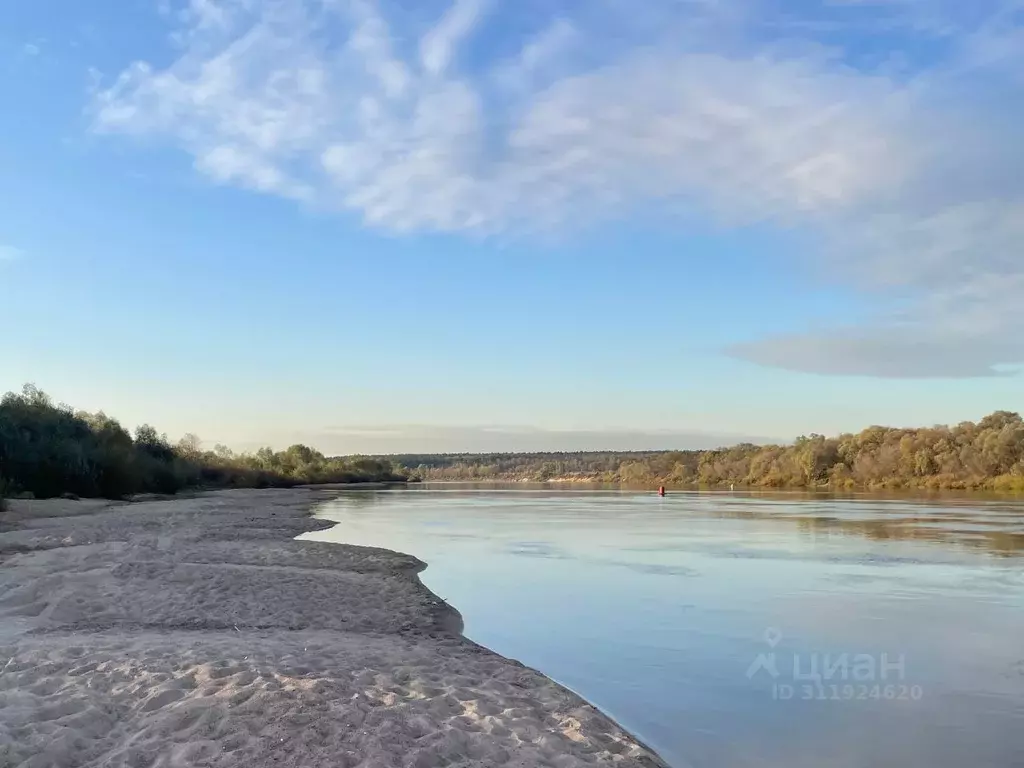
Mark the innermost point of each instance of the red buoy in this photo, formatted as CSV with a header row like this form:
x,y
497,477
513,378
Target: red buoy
x,y
661,490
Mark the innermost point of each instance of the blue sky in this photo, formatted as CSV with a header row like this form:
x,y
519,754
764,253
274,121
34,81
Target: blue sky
x,y
487,225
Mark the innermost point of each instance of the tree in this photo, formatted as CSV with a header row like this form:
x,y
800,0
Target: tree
x,y
190,446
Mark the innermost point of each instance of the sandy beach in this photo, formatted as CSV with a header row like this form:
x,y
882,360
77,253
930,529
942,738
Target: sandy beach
x,y
197,632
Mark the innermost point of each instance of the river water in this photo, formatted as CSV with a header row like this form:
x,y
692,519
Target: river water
x,y
740,630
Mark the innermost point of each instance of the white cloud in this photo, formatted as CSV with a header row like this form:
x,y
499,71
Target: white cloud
x,y
910,176
438,46
209,13
314,102
972,330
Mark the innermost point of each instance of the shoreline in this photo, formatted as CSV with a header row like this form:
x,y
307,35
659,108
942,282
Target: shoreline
x,y
197,631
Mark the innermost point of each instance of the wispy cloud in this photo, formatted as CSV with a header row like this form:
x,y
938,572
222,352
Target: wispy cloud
x,y
439,44
898,151
316,101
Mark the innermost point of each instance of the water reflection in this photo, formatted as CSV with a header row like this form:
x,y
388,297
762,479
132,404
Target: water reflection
x,y
981,522
656,610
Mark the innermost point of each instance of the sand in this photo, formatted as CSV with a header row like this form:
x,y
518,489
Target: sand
x,y
197,632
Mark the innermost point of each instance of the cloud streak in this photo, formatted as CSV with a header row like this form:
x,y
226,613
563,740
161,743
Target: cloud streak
x,y
905,168
419,438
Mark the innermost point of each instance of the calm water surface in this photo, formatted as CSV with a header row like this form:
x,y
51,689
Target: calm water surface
x,y
713,626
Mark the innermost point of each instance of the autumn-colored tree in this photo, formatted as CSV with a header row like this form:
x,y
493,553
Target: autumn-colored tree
x,y
987,454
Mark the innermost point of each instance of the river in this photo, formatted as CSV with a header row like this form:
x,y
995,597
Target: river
x,y
732,629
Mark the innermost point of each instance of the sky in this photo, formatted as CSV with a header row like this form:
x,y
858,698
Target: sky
x,y
387,225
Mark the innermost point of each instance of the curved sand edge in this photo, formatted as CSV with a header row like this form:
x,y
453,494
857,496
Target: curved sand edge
x,y
197,632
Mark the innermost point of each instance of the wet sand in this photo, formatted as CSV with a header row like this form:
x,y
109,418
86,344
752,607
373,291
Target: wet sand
x,y
197,632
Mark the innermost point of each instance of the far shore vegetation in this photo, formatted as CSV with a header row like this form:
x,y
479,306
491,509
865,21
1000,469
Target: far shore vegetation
x,y
987,455
49,450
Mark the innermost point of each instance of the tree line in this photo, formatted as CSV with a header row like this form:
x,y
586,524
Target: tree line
x,y
49,450
988,455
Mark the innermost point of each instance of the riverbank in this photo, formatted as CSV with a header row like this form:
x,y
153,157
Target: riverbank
x,y
198,632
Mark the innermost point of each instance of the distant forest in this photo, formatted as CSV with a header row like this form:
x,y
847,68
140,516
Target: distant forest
x,y
49,450
988,454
